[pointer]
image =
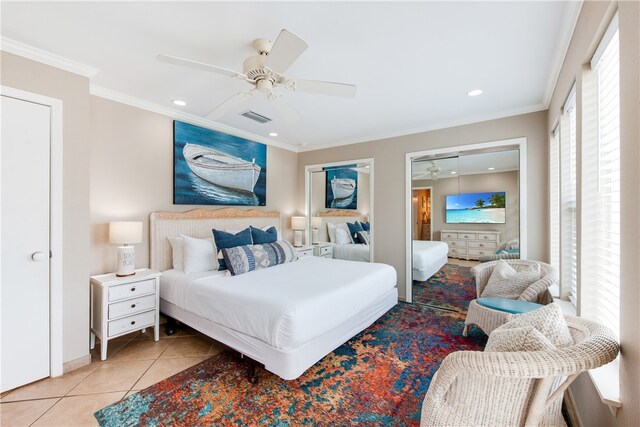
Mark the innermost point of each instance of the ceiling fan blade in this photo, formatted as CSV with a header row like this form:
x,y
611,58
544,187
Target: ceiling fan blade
x,y
228,105
286,49
344,90
199,66
285,109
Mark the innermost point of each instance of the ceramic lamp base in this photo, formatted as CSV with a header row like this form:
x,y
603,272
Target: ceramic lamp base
x,y
126,261
297,238
314,236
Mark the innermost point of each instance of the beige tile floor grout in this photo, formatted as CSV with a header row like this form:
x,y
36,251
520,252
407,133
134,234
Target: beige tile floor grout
x,y
134,362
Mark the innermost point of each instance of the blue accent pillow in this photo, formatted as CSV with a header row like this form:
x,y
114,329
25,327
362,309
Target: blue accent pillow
x,y
353,230
365,226
261,236
226,240
243,259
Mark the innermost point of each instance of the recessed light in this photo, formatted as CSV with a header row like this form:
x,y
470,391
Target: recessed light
x,y
453,172
179,102
273,134
491,169
475,92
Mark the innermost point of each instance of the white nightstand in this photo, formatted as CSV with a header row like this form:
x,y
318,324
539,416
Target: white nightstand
x,y
324,250
304,251
120,305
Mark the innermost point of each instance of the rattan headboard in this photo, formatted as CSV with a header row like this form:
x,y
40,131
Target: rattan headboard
x,y
198,223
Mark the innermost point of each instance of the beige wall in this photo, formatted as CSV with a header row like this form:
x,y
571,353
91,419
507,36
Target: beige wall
x,y
132,176
73,90
389,178
592,23
502,181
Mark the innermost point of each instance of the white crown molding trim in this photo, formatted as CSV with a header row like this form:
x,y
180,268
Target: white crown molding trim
x,y
570,22
36,54
122,98
429,128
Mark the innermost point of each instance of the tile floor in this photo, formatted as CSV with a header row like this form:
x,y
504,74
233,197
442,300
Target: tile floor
x,y
134,362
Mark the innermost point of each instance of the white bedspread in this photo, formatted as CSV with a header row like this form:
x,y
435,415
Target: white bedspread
x,y
352,252
426,252
286,305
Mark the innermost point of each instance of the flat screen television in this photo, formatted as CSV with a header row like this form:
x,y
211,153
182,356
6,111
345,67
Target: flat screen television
x,y
476,208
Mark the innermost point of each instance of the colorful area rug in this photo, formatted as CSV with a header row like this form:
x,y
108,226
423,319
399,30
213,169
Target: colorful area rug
x,y
379,377
451,288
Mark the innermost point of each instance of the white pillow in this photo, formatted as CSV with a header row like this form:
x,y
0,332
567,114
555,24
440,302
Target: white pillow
x,y
177,252
198,254
331,229
342,237
548,320
525,338
506,282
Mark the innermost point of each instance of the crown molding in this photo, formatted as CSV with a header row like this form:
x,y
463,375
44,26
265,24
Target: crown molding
x,y
122,98
432,127
570,22
36,54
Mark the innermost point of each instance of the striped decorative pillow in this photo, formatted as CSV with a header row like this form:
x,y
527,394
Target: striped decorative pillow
x,y
242,259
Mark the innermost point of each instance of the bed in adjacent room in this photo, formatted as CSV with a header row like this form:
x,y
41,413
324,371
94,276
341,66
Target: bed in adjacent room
x,y
428,257
286,317
335,230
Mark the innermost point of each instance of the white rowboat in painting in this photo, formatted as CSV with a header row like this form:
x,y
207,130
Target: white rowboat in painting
x,y
221,169
342,187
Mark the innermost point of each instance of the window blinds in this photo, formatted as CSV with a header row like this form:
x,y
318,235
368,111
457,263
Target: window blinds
x,y
554,197
600,288
568,222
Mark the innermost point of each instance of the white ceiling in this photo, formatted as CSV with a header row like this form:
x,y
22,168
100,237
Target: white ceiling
x,y
471,164
413,62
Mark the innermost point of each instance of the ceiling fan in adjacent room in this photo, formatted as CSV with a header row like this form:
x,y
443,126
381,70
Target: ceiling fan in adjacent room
x,y
265,71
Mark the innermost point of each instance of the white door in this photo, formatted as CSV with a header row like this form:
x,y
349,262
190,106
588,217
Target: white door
x,y
24,269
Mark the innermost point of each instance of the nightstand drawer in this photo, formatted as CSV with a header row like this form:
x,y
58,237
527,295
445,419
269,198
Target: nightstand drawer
x,y
305,252
132,289
131,323
324,251
132,306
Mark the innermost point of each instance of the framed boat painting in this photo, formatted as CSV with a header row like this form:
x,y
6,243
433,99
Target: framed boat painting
x,y
341,188
213,168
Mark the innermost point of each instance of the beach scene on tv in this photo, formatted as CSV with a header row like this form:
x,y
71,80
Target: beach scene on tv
x,y
476,208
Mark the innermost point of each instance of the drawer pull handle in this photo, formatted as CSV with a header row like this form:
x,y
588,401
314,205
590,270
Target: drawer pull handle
x,y
133,306
133,322
133,289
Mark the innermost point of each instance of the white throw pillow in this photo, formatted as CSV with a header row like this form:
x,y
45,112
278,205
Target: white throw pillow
x,y
198,254
548,320
506,282
526,338
177,252
342,237
331,230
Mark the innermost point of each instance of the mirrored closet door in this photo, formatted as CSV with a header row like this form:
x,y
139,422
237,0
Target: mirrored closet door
x,y
339,210
465,208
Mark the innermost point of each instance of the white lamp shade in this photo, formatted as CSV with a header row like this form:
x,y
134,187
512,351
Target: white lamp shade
x,y
298,222
316,222
125,232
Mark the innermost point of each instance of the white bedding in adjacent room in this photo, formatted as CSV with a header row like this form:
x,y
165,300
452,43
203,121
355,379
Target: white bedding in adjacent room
x,y
285,305
351,252
425,252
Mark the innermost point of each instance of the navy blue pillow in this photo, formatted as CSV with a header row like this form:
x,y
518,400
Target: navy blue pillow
x,y
226,240
365,226
261,236
353,229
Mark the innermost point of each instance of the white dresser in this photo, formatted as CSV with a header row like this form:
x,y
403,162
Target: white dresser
x,y
465,244
120,305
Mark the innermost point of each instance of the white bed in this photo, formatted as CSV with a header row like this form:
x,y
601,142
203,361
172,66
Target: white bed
x,y
351,252
286,317
428,257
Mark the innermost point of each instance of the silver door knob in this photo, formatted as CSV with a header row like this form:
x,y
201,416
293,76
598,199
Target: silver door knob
x,y
38,256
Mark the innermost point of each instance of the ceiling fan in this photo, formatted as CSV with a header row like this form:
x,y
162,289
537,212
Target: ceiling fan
x,y
265,71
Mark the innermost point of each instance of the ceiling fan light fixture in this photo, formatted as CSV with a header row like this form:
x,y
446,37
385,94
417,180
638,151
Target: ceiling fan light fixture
x,y
491,169
273,133
475,92
179,102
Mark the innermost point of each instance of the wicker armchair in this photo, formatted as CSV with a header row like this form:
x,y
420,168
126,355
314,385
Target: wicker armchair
x,y
488,319
473,388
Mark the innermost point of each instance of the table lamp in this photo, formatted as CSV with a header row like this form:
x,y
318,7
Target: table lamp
x,y
125,234
316,222
298,224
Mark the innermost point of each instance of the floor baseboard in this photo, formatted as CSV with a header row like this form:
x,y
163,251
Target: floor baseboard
x,y
72,365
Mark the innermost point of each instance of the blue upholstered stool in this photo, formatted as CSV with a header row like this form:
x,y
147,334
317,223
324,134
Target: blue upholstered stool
x,y
508,305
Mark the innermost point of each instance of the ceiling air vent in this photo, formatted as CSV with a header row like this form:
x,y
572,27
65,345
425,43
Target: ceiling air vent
x,y
255,116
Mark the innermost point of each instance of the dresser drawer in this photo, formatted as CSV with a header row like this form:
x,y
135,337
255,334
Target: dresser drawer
x,y
447,235
481,252
481,244
467,236
457,251
131,323
132,306
457,244
132,289
488,236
